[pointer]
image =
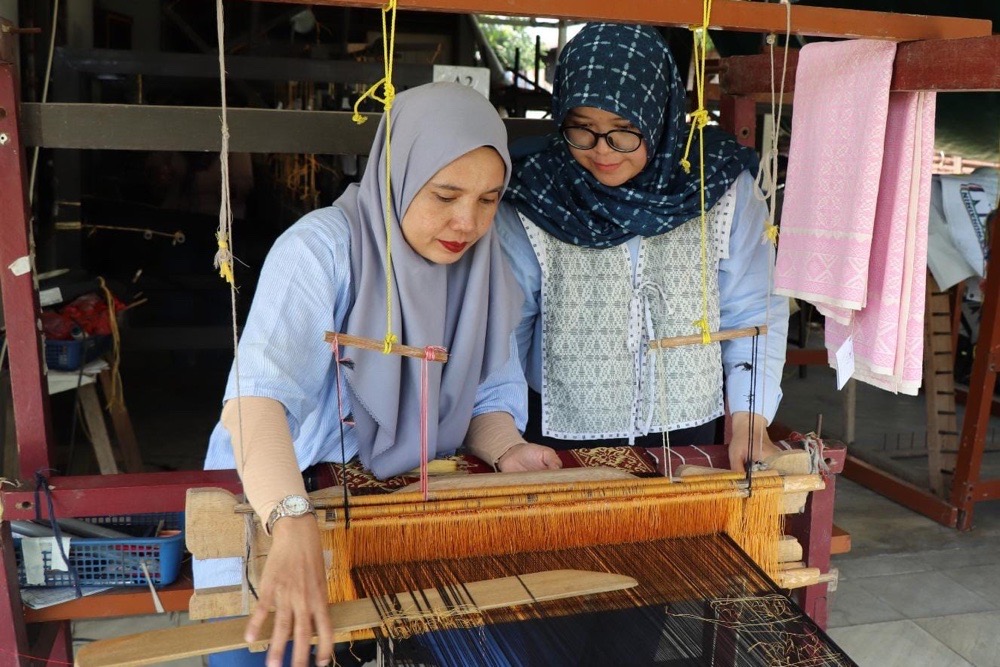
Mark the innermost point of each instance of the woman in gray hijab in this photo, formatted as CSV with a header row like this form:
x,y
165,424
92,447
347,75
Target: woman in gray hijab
x,y
451,287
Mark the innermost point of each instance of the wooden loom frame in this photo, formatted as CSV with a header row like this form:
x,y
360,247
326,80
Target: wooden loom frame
x,y
155,492
971,64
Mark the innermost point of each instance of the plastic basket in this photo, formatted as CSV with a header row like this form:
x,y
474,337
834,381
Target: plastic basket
x,y
69,355
117,562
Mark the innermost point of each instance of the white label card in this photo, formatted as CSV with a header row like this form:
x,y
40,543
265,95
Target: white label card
x,y
473,77
845,362
49,297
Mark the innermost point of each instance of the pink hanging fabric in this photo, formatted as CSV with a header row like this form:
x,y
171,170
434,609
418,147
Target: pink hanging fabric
x,y
834,165
854,223
888,334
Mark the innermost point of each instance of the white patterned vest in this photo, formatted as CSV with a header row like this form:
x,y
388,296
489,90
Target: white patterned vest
x,y
600,380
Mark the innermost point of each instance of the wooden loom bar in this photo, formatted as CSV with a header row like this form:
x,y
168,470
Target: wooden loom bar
x,y
99,495
582,490
149,127
715,336
726,15
153,648
436,354
216,530
938,64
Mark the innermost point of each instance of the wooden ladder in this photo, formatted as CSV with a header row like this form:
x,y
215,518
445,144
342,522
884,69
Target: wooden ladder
x,y
939,385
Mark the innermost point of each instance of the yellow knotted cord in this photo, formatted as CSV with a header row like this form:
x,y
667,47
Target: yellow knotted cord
x,y
388,51
699,119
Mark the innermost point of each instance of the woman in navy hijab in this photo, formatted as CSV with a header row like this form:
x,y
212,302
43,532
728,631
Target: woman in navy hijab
x,y
603,228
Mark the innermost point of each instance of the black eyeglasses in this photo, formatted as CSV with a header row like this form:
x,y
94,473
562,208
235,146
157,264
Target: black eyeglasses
x,y
583,138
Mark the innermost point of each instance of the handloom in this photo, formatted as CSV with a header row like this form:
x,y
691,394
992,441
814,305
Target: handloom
x,y
685,542
700,547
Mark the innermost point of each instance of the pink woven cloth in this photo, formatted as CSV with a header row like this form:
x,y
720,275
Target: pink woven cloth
x,y
888,333
834,167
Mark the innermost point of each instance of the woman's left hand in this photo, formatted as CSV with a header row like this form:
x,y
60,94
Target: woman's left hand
x,y
526,456
742,437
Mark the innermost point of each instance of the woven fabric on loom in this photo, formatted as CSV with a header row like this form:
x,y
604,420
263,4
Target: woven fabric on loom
x,y
834,167
361,482
698,601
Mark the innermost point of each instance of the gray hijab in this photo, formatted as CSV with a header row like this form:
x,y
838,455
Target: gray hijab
x,y
469,307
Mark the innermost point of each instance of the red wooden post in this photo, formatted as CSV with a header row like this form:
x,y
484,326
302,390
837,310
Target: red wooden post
x,y
28,387
13,632
17,287
738,115
975,425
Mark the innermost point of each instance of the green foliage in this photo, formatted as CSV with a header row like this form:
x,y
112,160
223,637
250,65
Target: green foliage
x,y
505,39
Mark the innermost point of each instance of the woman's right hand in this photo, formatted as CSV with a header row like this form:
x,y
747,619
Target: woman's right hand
x,y
526,456
294,586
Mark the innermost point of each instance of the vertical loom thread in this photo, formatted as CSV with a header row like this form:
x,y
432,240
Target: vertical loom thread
x,y
696,508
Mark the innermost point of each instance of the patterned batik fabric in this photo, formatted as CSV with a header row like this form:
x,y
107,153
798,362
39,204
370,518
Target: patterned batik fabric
x,y
629,71
599,378
630,459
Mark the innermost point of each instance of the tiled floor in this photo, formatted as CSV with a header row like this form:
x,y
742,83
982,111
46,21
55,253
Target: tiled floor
x,y
915,606
911,593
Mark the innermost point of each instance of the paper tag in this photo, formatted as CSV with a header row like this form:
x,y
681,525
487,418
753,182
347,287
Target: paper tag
x,y
34,561
48,297
56,560
845,362
20,266
477,78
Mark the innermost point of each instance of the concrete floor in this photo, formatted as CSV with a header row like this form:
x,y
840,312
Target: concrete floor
x,y
911,592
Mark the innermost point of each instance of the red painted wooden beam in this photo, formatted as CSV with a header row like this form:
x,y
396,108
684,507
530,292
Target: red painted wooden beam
x,y
17,289
103,495
937,64
726,14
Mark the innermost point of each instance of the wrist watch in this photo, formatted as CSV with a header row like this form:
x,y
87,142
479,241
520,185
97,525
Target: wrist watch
x,y
289,506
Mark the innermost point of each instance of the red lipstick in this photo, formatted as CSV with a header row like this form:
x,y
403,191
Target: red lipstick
x,y
454,246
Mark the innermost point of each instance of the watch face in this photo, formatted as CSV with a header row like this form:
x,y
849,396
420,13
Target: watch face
x,y
296,504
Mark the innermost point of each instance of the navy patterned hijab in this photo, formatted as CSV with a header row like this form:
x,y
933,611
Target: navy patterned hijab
x,y
629,71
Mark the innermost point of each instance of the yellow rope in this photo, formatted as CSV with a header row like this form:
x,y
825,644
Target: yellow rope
x,y
388,51
699,119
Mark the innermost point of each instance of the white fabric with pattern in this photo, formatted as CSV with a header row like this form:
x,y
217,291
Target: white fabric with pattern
x,y
599,378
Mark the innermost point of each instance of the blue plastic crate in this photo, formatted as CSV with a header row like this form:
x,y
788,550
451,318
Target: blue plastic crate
x,y
69,355
118,562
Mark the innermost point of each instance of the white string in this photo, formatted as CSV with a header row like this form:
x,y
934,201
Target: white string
x,y
703,453
224,234
668,464
766,181
225,230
